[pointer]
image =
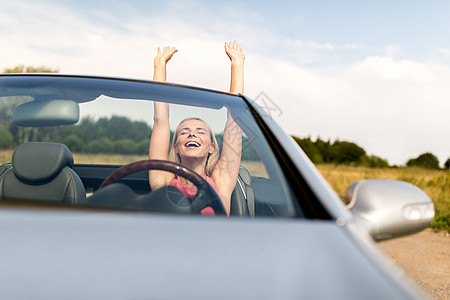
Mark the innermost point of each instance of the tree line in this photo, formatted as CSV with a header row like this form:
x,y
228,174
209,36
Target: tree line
x,y
117,134
121,135
343,152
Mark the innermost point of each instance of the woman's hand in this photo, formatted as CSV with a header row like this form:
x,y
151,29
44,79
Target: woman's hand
x,y
234,52
237,57
162,57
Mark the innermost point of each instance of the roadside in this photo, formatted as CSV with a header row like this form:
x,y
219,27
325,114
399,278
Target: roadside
x,y
425,257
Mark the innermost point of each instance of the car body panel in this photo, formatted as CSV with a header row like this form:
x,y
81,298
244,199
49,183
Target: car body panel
x,y
95,255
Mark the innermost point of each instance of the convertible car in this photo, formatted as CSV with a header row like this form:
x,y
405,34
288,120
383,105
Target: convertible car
x,y
79,220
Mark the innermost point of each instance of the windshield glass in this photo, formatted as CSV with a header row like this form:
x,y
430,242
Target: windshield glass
x,y
106,124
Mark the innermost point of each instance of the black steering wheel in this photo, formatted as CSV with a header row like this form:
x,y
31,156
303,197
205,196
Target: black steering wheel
x,y
206,195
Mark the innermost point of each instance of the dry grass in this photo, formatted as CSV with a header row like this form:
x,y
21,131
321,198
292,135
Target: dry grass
x,y
5,156
106,159
256,168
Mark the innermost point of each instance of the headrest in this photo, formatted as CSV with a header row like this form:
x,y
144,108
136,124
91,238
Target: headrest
x,y
245,175
40,161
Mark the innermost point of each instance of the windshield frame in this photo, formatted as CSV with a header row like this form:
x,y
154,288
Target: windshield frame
x,y
82,89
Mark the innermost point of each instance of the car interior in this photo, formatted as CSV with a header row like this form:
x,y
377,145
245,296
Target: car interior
x,y
42,171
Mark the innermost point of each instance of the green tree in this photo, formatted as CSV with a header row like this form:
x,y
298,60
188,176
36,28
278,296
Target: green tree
x,y
102,145
373,161
447,164
125,146
425,160
347,152
142,146
6,138
74,143
324,149
29,69
310,149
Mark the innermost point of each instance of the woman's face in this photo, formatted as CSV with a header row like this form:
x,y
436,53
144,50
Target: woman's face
x,y
194,140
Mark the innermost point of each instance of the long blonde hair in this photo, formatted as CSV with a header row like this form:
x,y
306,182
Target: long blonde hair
x,y
212,159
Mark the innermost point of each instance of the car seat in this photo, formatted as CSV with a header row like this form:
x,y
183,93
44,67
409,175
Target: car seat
x,y
43,172
243,198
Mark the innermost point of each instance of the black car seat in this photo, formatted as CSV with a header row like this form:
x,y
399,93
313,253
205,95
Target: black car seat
x,y
42,171
243,198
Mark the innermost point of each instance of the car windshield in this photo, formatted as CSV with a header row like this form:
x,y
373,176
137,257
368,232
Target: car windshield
x,y
107,123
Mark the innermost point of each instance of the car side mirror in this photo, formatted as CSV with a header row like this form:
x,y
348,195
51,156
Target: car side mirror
x,y
389,208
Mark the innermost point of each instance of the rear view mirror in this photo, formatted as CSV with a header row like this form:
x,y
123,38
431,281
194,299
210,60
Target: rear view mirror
x,y
389,208
46,113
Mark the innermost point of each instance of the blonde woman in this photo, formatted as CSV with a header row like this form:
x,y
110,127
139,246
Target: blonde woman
x,y
194,144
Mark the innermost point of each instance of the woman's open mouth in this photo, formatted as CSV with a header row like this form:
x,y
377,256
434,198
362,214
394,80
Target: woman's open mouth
x,y
192,144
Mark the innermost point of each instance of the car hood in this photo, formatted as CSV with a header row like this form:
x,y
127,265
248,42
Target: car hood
x,y
93,255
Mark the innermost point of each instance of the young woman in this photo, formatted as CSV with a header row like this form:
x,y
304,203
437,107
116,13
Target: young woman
x,y
194,144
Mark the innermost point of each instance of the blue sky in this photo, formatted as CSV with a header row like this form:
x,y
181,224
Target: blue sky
x,y
376,73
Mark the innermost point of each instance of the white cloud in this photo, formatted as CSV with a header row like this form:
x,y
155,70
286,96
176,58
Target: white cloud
x,y
444,52
314,45
326,46
393,50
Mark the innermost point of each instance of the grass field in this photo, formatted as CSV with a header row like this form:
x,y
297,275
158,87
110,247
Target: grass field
x,y
436,183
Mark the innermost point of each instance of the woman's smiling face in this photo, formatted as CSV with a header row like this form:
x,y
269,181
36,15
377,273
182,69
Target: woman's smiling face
x,y
193,140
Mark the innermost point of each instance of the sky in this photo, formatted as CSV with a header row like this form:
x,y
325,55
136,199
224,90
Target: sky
x,y
374,73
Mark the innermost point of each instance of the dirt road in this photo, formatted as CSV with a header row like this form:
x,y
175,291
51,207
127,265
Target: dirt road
x,y
425,257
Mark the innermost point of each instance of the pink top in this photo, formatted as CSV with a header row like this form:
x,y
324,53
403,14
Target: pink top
x,y
189,192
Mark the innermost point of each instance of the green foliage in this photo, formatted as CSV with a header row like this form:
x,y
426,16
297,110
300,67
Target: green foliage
x,y
373,161
29,69
347,152
447,164
339,152
441,220
6,138
125,146
425,160
310,148
248,150
74,143
142,146
117,128
102,145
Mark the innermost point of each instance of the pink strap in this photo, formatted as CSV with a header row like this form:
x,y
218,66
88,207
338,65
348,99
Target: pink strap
x,y
189,192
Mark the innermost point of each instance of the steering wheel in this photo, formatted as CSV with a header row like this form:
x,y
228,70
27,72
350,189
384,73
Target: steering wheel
x,y
206,195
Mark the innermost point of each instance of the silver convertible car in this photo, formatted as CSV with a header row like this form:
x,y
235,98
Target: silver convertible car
x,y
79,220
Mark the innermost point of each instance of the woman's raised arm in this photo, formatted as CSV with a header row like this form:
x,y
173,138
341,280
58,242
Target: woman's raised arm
x,y
160,139
227,169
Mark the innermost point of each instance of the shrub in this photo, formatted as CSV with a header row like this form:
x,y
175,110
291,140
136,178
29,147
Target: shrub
x,y
347,152
74,143
373,161
310,149
425,160
142,147
102,145
125,146
6,138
